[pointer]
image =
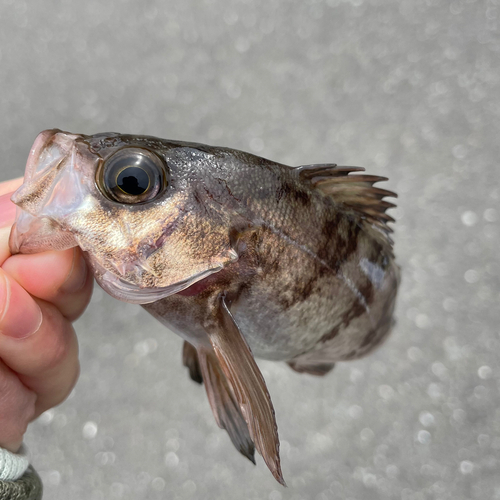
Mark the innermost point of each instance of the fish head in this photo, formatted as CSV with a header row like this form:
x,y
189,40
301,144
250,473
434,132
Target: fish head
x,y
126,202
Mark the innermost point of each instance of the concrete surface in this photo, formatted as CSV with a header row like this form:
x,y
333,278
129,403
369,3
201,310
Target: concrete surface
x,y
409,89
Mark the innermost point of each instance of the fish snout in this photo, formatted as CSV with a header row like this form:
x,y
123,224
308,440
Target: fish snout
x,y
43,195
49,150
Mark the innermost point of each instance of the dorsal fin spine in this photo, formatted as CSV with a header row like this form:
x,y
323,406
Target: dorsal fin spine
x,y
347,186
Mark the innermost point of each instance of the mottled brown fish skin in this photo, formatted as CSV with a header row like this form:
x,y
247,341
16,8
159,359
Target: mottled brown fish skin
x,y
293,243
298,251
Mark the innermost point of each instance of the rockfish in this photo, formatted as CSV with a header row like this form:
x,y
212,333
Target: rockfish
x,y
241,256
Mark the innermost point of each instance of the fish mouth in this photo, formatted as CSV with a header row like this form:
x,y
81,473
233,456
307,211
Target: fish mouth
x,y
35,228
31,234
41,142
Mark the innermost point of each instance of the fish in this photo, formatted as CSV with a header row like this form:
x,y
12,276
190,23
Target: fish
x,y
241,256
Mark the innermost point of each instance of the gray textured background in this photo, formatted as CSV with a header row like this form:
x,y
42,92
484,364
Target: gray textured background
x,y
407,89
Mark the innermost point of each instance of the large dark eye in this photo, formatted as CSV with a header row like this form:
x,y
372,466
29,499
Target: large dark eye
x,y
132,176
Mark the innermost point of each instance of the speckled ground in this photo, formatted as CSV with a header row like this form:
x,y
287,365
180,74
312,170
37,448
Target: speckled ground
x,y
409,89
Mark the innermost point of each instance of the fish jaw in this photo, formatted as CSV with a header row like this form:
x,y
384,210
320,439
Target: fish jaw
x,y
49,191
132,293
31,234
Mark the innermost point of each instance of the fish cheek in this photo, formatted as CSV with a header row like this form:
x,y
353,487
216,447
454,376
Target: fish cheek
x,y
196,245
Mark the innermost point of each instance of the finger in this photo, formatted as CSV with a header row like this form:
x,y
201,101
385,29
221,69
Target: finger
x,y
7,210
7,216
18,406
57,277
37,343
61,278
10,186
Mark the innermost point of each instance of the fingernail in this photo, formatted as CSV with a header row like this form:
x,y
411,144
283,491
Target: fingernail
x,y
20,315
7,210
77,276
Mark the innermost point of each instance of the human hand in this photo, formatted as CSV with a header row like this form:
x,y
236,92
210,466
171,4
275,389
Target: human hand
x,y
40,295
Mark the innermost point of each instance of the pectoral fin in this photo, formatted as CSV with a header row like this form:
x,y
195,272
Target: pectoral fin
x,y
224,405
247,384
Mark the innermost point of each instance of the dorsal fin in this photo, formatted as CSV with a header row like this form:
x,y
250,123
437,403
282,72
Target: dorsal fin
x,y
354,190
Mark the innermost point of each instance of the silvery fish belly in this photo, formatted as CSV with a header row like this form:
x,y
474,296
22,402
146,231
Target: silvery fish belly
x,y
239,255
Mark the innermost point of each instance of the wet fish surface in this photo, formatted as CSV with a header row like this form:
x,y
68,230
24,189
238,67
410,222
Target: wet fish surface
x,y
239,255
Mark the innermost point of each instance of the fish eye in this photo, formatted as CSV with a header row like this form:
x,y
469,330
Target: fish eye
x,y
132,176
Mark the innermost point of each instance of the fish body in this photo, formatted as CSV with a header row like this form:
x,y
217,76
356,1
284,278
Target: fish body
x,y
239,255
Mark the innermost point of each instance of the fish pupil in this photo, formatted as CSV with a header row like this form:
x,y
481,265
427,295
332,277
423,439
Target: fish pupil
x,y
133,181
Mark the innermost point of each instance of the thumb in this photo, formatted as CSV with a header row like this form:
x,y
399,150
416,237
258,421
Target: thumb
x,y
7,214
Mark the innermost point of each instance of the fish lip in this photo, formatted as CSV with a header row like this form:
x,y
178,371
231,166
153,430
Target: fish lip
x,y
41,142
22,241
31,223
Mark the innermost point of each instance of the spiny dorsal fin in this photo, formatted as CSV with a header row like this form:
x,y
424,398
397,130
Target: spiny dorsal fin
x,y
354,191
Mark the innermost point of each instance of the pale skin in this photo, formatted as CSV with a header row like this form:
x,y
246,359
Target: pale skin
x,y
40,296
